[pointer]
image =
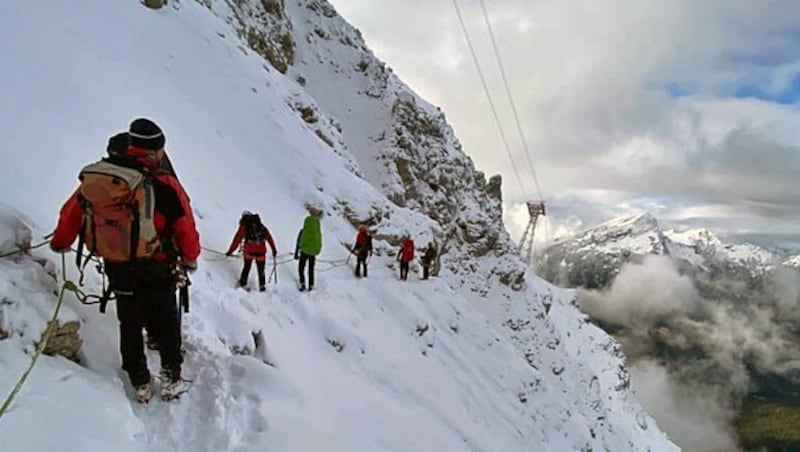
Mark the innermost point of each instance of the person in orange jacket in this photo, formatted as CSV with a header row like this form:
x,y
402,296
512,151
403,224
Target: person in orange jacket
x,y
255,236
143,286
405,256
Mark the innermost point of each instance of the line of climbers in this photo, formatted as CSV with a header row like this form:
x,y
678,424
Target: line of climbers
x,y
362,248
131,210
256,236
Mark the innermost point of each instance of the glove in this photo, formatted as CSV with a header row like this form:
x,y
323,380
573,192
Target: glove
x,y
296,256
189,266
229,254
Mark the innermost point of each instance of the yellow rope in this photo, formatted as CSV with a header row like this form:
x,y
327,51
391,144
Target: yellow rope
x,y
51,326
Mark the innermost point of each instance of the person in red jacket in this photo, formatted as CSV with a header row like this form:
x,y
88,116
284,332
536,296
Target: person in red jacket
x,y
362,249
145,288
405,256
256,237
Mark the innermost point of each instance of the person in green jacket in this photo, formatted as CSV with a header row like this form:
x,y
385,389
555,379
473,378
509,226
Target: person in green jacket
x,y
309,245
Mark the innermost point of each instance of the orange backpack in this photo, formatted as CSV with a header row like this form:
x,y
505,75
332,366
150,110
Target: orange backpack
x,y
118,202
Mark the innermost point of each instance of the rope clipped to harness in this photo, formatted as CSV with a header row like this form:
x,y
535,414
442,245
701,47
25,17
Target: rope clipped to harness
x,y
107,293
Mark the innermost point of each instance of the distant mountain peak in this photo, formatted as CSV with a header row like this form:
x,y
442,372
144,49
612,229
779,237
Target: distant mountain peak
x,y
640,221
593,258
793,262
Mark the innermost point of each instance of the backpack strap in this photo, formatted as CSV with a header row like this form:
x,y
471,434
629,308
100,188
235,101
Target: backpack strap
x,y
79,253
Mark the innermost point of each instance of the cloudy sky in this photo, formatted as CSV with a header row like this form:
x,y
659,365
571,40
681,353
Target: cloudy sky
x,y
685,108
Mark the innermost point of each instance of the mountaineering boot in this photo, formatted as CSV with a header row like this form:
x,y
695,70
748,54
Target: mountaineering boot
x,y
302,287
144,392
171,385
262,289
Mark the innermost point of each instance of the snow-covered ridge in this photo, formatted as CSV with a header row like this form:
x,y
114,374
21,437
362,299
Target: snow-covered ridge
x,y
462,362
592,258
793,262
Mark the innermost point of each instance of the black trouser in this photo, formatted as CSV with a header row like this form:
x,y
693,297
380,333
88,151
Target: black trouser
x,y
262,279
145,293
403,270
361,261
425,271
302,266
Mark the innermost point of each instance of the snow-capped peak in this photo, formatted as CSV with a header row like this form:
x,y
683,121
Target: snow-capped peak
x,y
793,261
637,222
694,237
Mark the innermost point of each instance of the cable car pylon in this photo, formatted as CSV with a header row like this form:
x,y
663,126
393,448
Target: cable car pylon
x,y
525,247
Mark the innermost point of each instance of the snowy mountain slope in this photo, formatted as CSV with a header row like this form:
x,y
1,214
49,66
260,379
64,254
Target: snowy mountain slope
x,y
402,143
358,365
593,258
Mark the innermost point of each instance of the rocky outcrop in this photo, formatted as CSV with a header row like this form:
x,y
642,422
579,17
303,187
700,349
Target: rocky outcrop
x,y
65,341
264,26
155,4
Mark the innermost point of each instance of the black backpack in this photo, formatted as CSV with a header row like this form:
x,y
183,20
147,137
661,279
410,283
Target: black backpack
x,y
253,229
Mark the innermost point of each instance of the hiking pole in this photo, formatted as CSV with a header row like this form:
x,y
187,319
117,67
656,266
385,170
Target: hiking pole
x,y
350,252
274,274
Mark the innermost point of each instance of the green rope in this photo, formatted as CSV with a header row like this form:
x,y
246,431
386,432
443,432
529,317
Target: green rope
x,y
51,326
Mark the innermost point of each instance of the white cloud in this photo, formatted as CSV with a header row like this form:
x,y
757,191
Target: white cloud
x,y
592,82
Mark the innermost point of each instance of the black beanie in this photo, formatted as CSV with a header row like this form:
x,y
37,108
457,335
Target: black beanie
x,y
145,134
118,143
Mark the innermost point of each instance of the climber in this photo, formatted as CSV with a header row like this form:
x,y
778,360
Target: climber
x,y
362,249
427,259
255,236
405,256
309,245
133,213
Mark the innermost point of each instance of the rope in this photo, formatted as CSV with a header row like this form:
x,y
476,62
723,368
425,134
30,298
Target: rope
x,y
51,326
218,259
332,266
23,249
212,251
